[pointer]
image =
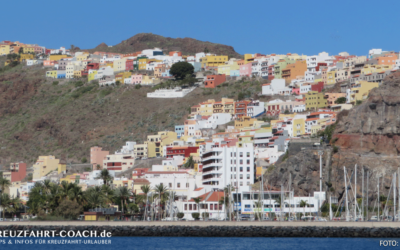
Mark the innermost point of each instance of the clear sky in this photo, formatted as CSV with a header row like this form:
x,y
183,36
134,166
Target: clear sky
x,y
263,26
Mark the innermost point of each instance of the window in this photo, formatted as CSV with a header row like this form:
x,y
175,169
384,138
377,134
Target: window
x,y
241,184
190,206
170,185
241,154
187,185
248,154
241,162
241,176
178,185
241,169
186,206
248,161
194,206
248,176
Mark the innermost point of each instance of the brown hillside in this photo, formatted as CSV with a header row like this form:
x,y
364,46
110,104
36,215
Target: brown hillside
x,y
188,46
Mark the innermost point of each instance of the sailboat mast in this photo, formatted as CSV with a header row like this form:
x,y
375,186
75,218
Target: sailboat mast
x,y
394,195
367,192
378,199
355,192
345,186
362,195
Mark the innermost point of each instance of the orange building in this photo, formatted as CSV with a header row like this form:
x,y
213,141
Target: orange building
x,y
389,59
178,53
214,80
332,97
293,70
97,156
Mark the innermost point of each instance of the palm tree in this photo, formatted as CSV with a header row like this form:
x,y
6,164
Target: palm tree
x,y
197,201
258,205
224,201
145,190
190,163
107,192
303,204
4,183
123,194
94,198
161,190
75,193
105,176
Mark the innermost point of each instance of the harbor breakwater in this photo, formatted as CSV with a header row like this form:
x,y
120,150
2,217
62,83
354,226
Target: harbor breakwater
x,y
204,230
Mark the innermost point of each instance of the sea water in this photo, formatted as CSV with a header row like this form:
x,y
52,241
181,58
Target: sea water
x,y
201,243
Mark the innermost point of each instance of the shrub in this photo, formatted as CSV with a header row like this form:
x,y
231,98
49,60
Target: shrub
x,y
69,209
105,92
205,215
335,149
118,83
138,86
84,160
195,216
55,83
180,215
240,96
78,84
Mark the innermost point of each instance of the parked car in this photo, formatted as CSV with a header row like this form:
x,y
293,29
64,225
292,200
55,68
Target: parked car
x,y
374,218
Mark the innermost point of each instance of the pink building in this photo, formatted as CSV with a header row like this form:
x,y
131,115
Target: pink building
x,y
49,63
296,91
97,156
245,70
17,172
136,79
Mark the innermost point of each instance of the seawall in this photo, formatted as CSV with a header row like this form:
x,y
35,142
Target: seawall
x,y
219,229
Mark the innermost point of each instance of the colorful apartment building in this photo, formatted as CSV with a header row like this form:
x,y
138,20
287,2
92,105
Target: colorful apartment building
x,y
244,122
292,71
17,172
97,156
156,143
213,61
213,81
360,91
315,100
44,165
332,97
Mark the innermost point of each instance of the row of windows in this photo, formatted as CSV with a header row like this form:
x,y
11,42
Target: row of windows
x,y
240,161
233,154
240,176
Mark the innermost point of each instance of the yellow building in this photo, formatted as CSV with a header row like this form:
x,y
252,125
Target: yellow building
x,y
331,77
77,73
62,167
207,107
156,143
315,100
44,165
244,122
123,183
299,127
82,57
369,69
51,74
28,50
248,58
92,75
140,150
361,90
4,49
137,185
110,64
57,57
149,80
120,64
24,57
213,61
121,76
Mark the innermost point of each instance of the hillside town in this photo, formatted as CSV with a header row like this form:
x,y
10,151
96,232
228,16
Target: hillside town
x,y
213,164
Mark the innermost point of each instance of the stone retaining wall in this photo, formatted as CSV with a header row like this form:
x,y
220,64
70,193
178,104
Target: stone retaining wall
x,y
223,231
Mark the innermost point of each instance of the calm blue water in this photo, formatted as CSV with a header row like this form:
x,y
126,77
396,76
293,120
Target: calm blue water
x,y
205,243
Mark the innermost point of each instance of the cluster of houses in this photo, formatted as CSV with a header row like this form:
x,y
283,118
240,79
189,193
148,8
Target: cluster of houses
x,y
221,143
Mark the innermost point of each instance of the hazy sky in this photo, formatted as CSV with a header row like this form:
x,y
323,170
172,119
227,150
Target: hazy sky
x,y
265,26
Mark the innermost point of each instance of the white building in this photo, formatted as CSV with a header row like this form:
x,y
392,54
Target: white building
x,y
170,93
119,162
228,166
255,108
127,148
299,108
312,61
106,71
374,52
276,87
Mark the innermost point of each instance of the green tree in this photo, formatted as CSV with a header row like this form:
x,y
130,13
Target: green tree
x,y
21,50
105,176
206,50
303,204
189,163
340,100
4,183
94,198
240,96
69,209
84,160
181,69
197,201
123,194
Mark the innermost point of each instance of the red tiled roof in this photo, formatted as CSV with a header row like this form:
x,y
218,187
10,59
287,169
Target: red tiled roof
x,y
214,197
311,119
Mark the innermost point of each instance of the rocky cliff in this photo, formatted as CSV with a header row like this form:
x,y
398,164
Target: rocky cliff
x,y
367,135
187,46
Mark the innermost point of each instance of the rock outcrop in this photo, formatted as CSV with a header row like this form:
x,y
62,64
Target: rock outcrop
x,y
187,46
